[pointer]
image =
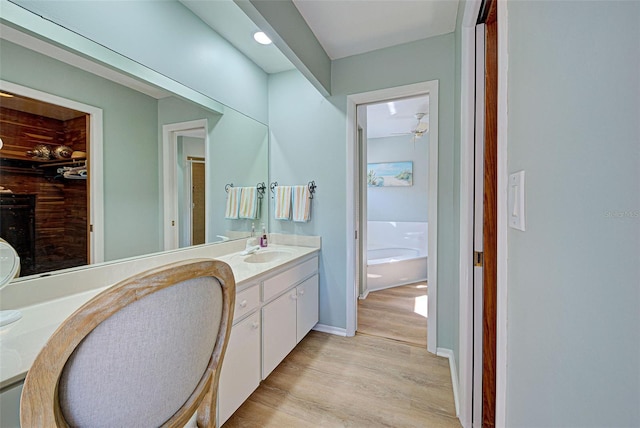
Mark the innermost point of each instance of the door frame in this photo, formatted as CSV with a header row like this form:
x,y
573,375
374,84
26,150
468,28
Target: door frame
x,y
422,88
95,190
170,202
467,113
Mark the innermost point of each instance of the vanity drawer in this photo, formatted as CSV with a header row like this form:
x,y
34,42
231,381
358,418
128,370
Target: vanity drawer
x,y
274,286
246,301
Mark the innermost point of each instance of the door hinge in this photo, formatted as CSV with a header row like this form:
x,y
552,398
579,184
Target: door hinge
x,y
90,228
356,234
173,222
478,258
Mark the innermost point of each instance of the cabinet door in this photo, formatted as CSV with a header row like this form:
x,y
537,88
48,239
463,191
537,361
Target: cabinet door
x,y
240,374
307,310
278,330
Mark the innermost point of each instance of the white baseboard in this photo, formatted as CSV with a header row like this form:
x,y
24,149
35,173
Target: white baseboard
x,y
330,329
448,353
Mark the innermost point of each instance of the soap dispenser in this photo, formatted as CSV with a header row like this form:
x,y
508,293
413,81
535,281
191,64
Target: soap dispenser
x,y
263,238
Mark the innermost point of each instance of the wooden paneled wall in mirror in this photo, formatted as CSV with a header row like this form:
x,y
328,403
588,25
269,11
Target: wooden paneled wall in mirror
x,y
83,165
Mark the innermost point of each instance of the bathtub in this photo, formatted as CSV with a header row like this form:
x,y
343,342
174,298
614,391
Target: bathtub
x,y
396,253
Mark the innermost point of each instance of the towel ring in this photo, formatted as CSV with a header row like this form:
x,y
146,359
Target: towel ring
x,y
227,187
273,186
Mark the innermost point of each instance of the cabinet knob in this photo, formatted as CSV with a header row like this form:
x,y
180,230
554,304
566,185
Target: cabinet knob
x,y
255,325
243,304
301,292
294,296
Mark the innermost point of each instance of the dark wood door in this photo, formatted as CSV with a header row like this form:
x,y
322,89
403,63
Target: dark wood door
x,y
490,222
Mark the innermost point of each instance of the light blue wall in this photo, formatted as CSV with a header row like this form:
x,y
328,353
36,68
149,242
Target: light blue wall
x,y
574,275
400,203
308,134
309,141
424,60
130,144
165,36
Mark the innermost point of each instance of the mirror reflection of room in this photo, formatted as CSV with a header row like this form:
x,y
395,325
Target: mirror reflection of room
x,y
43,199
53,225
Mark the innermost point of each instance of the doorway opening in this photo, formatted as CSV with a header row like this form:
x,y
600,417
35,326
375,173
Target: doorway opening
x,y
361,178
394,146
51,170
184,150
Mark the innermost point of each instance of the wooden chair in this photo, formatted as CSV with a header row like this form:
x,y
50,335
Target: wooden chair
x,y
145,352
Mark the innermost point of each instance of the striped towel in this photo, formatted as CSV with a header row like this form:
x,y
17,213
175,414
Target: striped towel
x,y
233,203
283,203
248,202
301,203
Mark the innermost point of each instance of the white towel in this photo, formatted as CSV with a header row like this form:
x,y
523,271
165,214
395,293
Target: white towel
x,y
248,202
233,203
283,203
301,203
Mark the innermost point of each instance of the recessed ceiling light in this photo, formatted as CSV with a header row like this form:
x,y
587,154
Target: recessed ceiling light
x,y
261,38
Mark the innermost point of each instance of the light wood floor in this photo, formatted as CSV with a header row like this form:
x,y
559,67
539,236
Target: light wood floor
x,y
396,313
361,381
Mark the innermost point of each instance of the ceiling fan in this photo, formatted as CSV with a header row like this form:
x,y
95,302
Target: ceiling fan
x,y
420,129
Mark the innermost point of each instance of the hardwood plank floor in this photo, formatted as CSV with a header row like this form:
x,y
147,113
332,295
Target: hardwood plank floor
x,y
364,381
397,313
361,381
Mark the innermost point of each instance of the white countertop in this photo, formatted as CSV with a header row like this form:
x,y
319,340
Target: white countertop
x,y
21,341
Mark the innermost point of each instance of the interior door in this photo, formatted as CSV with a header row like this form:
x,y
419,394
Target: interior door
x,y
489,258
197,202
478,218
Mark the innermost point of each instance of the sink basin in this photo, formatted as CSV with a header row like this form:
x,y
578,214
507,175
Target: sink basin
x,y
266,256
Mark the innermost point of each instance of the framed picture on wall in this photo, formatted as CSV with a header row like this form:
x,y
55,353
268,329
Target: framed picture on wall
x,y
390,174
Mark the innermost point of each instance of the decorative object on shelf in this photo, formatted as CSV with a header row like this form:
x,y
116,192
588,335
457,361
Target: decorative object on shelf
x,y
390,174
62,152
40,152
77,154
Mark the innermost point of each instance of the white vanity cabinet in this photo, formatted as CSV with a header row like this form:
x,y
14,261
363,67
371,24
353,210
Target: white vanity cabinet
x,y
271,316
240,373
289,317
307,307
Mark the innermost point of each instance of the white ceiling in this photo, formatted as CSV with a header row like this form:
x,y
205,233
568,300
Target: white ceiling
x,y
351,27
382,123
228,20
343,27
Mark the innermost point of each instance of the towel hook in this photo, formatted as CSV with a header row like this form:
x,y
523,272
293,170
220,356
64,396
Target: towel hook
x,y
227,187
312,188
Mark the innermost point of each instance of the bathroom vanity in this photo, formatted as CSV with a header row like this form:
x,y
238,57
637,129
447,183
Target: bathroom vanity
x,y
276,306
273,313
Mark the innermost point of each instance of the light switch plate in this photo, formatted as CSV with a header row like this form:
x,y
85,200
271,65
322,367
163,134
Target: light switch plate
x,y
516,201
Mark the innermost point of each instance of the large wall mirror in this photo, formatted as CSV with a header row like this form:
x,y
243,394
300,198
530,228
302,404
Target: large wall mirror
x,y
97,165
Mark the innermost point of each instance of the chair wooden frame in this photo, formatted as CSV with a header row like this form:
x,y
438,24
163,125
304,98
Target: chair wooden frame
x,y
40,406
